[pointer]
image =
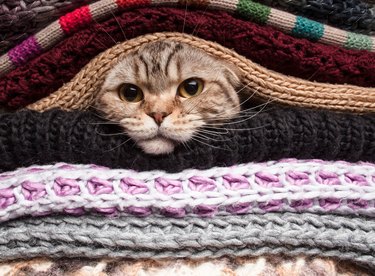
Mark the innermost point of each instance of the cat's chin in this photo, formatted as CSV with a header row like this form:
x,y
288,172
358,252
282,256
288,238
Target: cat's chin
x,y
157,145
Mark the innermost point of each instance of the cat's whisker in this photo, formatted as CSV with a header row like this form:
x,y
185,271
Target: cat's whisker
x,y
249,111
118,23
104,123
121,144
102,29
246,119
110,134
206,144
207,131
247,116
211,139
214,133
196,28
245,129
185,15
186,146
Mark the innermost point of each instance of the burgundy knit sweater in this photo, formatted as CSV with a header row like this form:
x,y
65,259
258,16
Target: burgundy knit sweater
x,y
264,45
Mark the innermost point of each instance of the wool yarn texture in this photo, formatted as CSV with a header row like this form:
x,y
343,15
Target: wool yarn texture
x,y
241,266
261,44
309,186
81,92
79,18
30,137
353,15
22,18
288,234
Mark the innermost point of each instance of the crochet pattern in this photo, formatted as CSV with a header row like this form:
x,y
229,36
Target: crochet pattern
x,y
297,57
29,137
21,18
72,22
285,186
343,238
352,15
81,91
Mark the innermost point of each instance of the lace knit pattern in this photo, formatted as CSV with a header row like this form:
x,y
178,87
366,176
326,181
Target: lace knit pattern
x,y
28,138
261,44
340,237
285,186
81,17
352,15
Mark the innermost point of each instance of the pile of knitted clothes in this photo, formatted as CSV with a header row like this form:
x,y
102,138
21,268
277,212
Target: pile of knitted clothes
x,y
290,191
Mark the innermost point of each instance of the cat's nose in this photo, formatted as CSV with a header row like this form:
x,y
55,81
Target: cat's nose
x,y
158,116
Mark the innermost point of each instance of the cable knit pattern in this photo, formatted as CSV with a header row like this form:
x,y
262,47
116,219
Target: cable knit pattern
x,y
263,45
287,185
352,15
266,85
288,234
29,137
80,18
21,18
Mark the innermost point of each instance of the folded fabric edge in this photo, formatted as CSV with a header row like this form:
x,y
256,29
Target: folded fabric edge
x,y
311,186
225,266
73,21
340,237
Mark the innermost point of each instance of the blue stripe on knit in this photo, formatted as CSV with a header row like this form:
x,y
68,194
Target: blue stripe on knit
x,y
307,28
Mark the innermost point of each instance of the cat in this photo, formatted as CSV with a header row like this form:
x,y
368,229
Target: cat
x,y
166,92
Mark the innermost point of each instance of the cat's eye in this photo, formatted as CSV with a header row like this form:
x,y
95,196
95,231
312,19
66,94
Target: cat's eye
x,y
190,87
130,93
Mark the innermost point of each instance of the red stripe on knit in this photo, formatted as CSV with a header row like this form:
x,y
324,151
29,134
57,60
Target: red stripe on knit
x,y
262,44
132,3
75,20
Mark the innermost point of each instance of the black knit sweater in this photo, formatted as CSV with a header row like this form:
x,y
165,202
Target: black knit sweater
x,y
29,137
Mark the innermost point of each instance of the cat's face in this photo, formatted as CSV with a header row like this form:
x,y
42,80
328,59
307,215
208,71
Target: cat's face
x,y
166,92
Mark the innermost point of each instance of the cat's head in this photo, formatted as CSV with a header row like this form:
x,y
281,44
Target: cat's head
x,y
166,92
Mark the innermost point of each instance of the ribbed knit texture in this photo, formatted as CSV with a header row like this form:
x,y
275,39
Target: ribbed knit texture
x,y
40,138
263,45
352,15
21,18
344,238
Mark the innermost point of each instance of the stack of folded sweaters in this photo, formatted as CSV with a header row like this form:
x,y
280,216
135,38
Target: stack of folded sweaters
x,y
290,191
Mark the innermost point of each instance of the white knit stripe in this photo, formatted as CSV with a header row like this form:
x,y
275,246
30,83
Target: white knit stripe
x,y
225,5
286,194
281,20
334,36
103,9
5,64
51,35
164,2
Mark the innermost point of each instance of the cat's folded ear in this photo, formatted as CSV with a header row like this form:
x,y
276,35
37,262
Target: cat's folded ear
x,y
234,74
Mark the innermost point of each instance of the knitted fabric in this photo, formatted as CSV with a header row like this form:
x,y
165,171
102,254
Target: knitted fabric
x,y
71,22
353,15
22,18
241,266
30,137
284,186
263,45
290,234
81,91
